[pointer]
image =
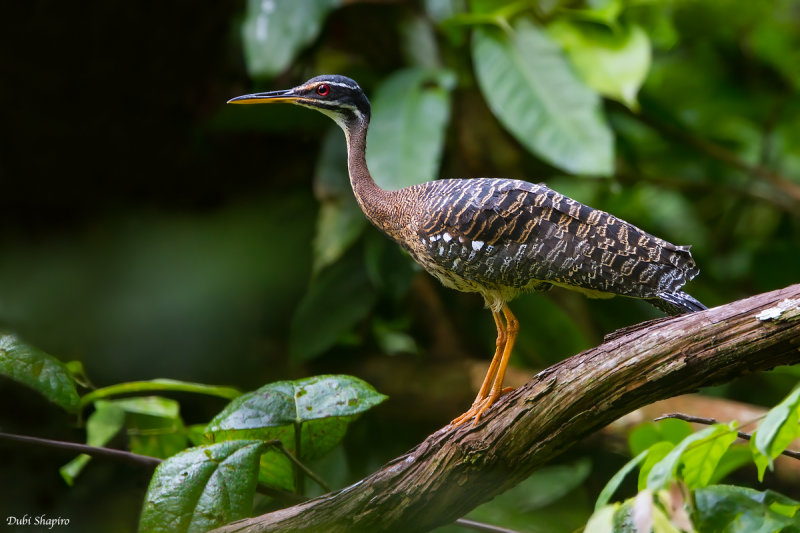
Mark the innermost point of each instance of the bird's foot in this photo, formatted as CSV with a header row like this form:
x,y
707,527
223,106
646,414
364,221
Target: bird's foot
x,y
475,412
479,406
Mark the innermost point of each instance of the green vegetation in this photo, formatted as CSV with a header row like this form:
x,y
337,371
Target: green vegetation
x,y
166,242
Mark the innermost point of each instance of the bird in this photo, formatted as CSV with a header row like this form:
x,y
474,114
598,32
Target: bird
x,y
499,237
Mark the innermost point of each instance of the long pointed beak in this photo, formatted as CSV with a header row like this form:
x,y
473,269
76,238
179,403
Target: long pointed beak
x,y
266,98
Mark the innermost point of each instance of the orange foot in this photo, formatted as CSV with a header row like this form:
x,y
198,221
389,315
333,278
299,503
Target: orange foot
x,y
479,406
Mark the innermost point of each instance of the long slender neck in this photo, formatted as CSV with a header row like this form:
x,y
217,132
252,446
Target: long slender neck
x,y
376,203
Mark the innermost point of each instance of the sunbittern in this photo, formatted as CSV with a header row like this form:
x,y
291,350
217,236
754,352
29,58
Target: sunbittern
x,y
500,237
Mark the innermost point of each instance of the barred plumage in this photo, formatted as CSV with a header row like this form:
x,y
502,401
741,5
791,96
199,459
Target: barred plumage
x,y
500,237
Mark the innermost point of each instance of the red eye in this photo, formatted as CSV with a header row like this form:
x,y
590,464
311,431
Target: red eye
x,y
323,90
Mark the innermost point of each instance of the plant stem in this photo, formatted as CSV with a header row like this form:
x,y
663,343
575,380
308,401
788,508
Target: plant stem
x,y
94,451
709,421
299,480
281,448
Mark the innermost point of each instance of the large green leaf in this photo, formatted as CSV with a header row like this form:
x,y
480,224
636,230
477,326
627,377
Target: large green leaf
x,y
780,427
337,298
38,370
286,402
321,406
612,62
700,460
731,509
531,88
410,110
699,454
202,488
274,32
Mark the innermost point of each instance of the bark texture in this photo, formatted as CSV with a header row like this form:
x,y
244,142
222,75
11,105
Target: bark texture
x,y
456,469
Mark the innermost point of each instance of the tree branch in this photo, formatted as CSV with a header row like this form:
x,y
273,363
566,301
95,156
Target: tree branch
x,y
710,421
456,469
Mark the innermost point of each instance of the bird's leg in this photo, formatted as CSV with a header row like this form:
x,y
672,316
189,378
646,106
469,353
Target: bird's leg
x,y
512,328
498,352
497,369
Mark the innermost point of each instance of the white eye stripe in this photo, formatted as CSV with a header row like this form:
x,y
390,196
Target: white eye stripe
x,y
337,84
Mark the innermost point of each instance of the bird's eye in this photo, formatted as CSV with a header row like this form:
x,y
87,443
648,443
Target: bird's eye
x,y
323,90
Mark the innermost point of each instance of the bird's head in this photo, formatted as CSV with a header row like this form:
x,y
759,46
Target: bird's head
x,y
338,97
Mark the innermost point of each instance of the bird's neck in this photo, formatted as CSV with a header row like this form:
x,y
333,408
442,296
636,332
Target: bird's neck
x,y
376,202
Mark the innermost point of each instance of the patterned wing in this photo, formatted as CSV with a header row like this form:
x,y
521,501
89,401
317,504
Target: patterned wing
x,y
517,234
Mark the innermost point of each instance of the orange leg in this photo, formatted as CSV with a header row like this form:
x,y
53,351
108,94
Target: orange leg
x,y
497,369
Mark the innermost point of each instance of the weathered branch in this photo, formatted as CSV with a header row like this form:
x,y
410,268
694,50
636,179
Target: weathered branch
x,y
456,469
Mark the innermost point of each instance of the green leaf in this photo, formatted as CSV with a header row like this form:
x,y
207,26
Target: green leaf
x,y
614,63
700,460
274,32
645,435
698,453
340,220
732,509
616,480
392,337
410,111
78,374
196,433
323,406
662,523
101,426
154,425
38,370
159,385
774,41
779,428
734,458
418,40
602,520
202,488
601,11
531,88
655,454
338,297
286,402
439,10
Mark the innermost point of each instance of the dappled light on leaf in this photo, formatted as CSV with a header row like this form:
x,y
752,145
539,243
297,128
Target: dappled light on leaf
x,y
202,488
38,370
533,91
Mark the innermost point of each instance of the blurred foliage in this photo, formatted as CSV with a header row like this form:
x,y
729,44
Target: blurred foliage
x,y
679,471
261,437
150,231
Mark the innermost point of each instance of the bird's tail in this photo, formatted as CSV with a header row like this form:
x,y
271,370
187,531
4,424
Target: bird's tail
x,y
677,303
